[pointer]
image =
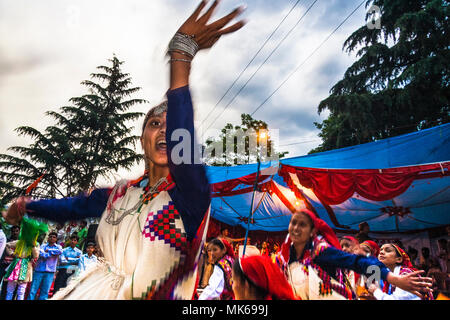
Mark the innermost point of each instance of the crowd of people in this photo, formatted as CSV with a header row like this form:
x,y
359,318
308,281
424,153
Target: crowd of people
x,y
221,253
64,252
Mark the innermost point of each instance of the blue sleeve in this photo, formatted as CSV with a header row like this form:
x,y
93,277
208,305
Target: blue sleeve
x,y
191,195
334,258
55,251
69,209
43,254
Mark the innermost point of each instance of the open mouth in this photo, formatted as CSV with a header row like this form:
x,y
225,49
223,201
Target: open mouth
x,y
161,145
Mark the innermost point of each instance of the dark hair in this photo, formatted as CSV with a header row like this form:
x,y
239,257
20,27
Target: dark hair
x,y
74,236
237,271
90,244
53,233
217,242
363,224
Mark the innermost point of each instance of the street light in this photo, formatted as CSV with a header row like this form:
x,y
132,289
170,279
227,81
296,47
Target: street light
x,y
260,136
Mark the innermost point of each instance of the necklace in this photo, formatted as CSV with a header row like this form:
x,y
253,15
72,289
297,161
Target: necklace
x,y
151,190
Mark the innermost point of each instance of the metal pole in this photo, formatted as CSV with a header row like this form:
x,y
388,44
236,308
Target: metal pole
x,y
255,185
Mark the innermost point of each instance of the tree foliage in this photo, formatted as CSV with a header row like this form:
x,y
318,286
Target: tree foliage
x,y
230,140
90,138
400,82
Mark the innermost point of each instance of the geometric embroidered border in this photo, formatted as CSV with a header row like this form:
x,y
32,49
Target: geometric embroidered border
x,y
162,226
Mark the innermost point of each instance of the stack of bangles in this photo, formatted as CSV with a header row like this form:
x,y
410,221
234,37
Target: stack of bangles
x,y
183,44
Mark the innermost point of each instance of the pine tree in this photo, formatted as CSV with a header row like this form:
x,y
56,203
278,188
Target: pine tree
x,y
399,84
91,138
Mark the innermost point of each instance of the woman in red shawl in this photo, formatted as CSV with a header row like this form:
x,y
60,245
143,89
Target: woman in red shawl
x,y
370,248
220,283
397,260
367,248
313,262
258,278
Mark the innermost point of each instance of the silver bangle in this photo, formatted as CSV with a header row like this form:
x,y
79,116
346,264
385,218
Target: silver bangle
x,y
184,43
183,60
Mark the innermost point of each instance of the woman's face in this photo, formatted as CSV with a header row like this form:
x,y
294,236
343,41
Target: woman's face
x,y
365,250
347,245
217,253
153,140
388,256
300,229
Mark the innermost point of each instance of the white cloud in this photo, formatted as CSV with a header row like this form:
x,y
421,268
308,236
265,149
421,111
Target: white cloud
x,y
48,47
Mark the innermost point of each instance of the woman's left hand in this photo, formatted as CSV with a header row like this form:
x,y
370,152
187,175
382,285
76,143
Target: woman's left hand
x,y
412,282
207,34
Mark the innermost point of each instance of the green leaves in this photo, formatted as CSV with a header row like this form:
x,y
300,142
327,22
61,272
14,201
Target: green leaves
x,y
91,138
400,82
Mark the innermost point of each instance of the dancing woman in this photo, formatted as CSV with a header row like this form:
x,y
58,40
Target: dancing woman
x,y
313,263
151,230
398,262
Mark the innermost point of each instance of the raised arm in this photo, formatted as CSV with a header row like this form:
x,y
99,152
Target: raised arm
x,y
192,194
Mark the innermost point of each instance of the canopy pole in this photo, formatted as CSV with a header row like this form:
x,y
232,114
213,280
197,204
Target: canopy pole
x,y
255,185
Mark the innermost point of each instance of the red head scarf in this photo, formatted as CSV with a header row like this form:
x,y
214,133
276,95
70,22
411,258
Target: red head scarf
x,y
229,248
374,248
406,261
322,228
351,239
267,276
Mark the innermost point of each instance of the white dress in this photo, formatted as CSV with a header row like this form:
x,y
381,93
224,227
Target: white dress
x,y
145,256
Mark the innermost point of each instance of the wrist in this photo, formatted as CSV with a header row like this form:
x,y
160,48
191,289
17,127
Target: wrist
x,y
392,278
184,43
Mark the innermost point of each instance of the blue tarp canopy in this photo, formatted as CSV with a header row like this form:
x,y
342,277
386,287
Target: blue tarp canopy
x,y
425,204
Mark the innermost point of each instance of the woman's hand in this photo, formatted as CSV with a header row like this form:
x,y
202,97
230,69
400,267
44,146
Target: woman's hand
x,y
16,211
207,34
411,282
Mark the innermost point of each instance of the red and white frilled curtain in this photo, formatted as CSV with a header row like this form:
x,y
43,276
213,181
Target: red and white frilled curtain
x,y
334,186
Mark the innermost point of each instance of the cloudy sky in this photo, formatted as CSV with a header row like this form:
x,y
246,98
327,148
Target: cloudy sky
x,y
47,47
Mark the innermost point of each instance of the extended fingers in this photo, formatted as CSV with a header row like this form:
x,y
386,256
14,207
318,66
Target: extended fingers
x,y
219,24
232,28
204,19
197,11
417,293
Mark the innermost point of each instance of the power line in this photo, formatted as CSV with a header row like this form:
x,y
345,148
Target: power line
x,y
252,59
260,66
299,142
300,65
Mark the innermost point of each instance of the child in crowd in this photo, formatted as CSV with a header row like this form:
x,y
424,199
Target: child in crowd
x,y
45,269
220,283
20,272
68,262
88,258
